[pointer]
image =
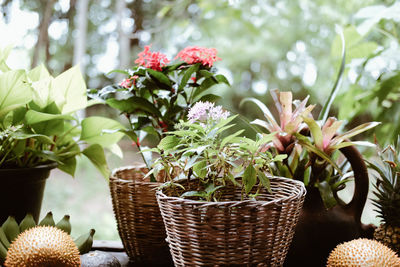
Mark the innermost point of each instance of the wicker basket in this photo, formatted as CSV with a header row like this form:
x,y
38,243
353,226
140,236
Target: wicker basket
x,y
139,221
229,233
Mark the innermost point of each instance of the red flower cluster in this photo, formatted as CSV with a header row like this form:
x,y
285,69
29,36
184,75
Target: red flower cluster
x,y
127,83
195,54
153,60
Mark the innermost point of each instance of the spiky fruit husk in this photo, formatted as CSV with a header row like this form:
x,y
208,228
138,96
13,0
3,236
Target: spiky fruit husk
x,y
389,236
363,252
43,246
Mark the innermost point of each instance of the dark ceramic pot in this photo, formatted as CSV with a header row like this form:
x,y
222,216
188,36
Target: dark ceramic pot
x,y
320,230
21,191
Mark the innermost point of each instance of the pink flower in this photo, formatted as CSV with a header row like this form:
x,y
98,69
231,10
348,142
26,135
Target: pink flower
x,y
153,60
195,54
204,111
127,83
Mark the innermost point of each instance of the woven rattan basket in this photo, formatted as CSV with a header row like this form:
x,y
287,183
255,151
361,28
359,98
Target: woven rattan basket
x,y
139,221
229,233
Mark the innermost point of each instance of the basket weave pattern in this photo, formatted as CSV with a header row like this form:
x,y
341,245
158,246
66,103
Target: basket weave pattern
x,y
139,221
226,233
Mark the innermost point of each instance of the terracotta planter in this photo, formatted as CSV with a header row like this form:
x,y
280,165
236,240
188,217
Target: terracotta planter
x,y
139,221
21,191
232,232
319,230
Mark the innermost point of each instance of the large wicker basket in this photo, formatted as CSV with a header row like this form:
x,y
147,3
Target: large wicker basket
x,y
139,221
229,233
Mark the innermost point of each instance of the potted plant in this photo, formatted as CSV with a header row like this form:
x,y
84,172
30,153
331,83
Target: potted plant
x,y
324,160
38,132
155,95
219,206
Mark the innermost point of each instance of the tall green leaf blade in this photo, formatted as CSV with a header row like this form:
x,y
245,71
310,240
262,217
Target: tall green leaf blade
x,y
315,130
323,115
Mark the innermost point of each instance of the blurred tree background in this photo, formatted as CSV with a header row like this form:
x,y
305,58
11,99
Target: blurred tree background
x,y
290,45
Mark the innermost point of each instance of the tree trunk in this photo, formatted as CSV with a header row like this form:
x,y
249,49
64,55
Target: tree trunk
x,y
123,39
43,38
80,40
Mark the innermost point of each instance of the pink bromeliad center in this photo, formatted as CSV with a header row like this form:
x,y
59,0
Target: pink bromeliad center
x,y
195,54
152,60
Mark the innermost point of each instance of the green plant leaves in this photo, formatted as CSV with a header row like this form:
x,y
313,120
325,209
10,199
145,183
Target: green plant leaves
x,y
96,155
134,104
169,142
249,178
14,91
100,130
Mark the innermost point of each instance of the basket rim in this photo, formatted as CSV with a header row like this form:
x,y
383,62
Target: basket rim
x,y
134,166
302,192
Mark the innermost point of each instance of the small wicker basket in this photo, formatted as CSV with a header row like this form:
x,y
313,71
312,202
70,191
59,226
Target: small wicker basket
x,y
139,221
233,232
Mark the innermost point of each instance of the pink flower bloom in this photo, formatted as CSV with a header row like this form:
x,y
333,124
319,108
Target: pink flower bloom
x,y
127,83
204,111
152,60
195,54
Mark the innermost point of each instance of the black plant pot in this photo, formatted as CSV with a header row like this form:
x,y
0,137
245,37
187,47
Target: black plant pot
x,y
21,191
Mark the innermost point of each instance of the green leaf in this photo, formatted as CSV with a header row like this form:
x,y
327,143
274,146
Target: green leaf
x,y
323,115
211,188
201,194
355,131
33,117
200,169
222,79
38,73
3,57
264,181
160,77
188,73
267,113
168,142
14,92
316,132
102,131
68,166
69,90
327,195
230,138
210,98
95,154
249,178
133,104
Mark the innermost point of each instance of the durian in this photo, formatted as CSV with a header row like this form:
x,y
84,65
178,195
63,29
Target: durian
x,y
363,252
43,246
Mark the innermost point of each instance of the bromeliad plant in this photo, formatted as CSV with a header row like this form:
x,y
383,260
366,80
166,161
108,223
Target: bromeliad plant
x,y
157,94
37,121
199,149
311,146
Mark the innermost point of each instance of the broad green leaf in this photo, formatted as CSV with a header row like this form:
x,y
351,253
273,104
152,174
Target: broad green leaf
x,y
42,92
14,91
95,154
205,85
69,90
161,77
3,57
133,104
200,169
210,98
211,188
264,181
102,131
222,79
188,73
38,73
68,166
249,178
33,117
327,194
116,150
42,138
316,132
169,142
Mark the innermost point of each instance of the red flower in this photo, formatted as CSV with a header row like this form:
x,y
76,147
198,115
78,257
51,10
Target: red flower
x,y
164,126
195,54
153,60
127,83
194,79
